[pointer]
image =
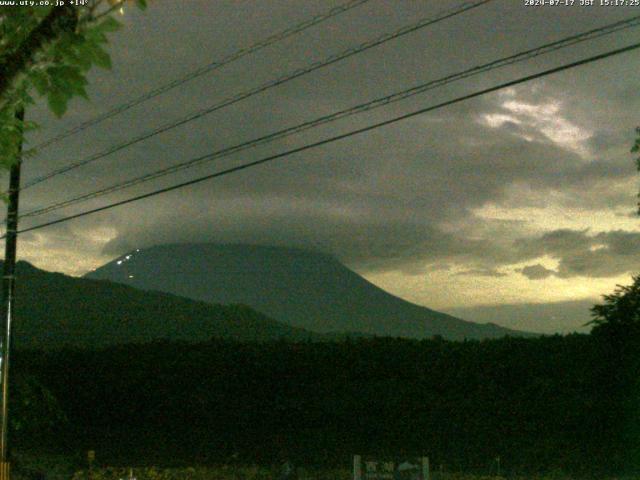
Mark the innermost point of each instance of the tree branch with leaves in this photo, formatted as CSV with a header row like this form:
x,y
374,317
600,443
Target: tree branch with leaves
x,y
48,51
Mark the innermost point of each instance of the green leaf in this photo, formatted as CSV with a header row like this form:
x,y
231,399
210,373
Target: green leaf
x,y
142,4
68,77
84,57
80,91
96,37
108,25
101,58
57,102
40,81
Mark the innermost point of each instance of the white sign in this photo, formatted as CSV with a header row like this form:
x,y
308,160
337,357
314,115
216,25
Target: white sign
x,y
386,469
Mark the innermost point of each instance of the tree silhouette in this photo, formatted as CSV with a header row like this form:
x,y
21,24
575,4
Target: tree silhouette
x,y
620,311
617,334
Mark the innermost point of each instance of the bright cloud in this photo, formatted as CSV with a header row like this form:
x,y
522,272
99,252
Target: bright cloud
x,y
543,121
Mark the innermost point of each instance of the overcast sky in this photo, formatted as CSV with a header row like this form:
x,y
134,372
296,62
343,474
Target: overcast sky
x,y
523,196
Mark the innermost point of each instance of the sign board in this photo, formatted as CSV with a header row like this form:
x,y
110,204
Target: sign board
x,y
368,468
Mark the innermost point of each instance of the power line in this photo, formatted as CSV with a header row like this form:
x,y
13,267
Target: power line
x,y
238,54
338,137
424,22
379,102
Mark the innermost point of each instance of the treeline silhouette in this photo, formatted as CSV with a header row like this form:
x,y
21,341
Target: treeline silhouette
x,y
556,403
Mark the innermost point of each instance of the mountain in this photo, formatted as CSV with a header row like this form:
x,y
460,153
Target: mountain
x,y
548,318
301,288
54,310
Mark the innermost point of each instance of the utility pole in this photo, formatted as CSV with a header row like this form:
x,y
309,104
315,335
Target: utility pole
x,y
8,290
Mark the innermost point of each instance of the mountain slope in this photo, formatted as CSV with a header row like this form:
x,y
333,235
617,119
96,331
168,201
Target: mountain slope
x,y
55,310
301,288
548,318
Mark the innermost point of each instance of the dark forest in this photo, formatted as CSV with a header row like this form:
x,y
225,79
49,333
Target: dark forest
x,y
556,403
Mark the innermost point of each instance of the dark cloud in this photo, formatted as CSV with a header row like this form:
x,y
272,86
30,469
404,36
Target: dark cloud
x,y
556,243
403,197
621,243
536,272
580,254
